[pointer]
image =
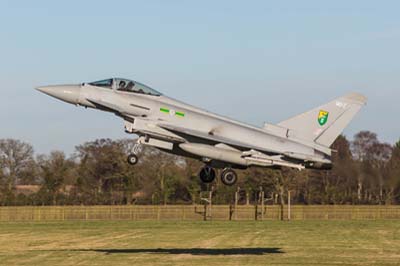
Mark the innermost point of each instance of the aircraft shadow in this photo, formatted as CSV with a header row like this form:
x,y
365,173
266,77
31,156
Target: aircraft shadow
x,y
192,251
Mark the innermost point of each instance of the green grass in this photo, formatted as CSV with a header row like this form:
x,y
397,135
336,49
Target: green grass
x,y
201,243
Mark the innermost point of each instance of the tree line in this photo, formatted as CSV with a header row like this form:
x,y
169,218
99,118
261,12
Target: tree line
x,y
365,171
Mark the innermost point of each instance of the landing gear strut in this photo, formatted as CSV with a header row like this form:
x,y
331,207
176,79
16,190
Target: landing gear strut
x,y
133,158
207,174
228,177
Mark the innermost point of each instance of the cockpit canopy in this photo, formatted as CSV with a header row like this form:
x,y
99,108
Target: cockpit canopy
x,y
125,85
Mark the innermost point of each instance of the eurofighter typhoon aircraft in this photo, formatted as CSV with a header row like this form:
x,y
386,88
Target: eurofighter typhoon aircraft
x,y
175,127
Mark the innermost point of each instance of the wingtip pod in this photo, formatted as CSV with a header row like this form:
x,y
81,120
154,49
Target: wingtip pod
x,y
356,97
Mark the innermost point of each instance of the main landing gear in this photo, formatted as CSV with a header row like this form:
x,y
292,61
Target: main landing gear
x,y
133,158
207,174
228,177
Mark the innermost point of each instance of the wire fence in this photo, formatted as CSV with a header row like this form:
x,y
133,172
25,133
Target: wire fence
x,y
198,212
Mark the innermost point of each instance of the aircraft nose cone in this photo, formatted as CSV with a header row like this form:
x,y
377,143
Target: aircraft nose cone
x,y
66,93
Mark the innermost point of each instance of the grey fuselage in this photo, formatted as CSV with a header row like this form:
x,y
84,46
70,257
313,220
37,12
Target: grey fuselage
x,y
148,114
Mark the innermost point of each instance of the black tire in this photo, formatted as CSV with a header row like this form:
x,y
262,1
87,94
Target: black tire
x,y
132,159
207,174
229,177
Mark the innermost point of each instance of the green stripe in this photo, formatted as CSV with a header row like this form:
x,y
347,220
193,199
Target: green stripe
x,y
164,110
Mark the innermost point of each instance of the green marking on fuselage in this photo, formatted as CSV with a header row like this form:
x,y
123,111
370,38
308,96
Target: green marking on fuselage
x,y
172,112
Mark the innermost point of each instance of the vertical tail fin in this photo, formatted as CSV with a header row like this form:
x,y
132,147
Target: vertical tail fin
x,y
325,123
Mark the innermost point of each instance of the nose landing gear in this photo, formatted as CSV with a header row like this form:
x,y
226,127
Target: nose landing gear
x,y
133,158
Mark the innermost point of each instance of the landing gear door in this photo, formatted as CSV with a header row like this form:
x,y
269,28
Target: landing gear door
x,y
129,127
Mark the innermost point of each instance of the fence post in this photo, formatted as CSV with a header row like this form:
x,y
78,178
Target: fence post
x,y
183,213
236,202
288,206
262,205
210,202
131,212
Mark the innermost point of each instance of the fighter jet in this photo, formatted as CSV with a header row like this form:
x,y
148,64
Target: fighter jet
x,y
300,142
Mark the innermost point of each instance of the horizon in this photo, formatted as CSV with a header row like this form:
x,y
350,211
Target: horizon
x,y
73,150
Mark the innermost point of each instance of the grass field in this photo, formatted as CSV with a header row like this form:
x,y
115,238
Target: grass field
x,y
201,243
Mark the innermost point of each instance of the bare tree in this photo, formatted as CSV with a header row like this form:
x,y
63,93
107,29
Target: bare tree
x,y
54,170
393,174
344,173
100,165
361,145
16,162
378,157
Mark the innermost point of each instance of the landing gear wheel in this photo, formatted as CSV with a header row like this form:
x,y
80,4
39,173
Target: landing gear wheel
x,y
132,159
229,177
207,174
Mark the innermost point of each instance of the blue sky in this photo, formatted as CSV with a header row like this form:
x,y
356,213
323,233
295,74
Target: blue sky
x,y
255,61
